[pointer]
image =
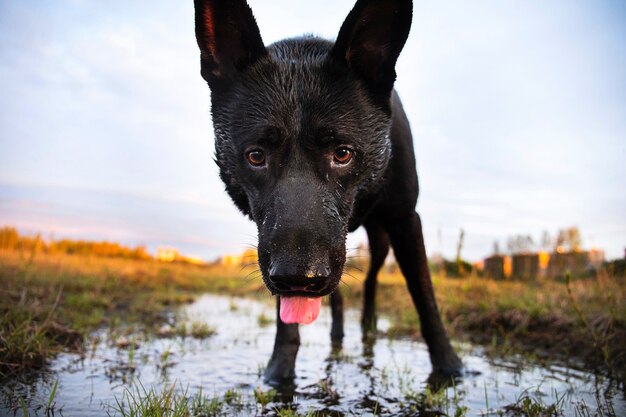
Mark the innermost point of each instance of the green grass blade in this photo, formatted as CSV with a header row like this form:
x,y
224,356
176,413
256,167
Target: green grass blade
x,y
23,405
52,394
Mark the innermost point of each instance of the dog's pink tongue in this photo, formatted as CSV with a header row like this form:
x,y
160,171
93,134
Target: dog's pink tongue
x,y
301,310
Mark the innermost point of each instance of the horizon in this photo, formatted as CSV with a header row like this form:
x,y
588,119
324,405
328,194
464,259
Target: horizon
x,y
155,248
517,111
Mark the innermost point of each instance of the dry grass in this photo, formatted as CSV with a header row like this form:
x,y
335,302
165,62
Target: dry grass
x,y
585,318
50,302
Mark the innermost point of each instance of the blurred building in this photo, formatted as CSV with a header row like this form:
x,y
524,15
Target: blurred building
x,y
494,267
544,264
525,265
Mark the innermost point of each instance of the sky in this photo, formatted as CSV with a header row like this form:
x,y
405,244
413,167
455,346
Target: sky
x,y
518,111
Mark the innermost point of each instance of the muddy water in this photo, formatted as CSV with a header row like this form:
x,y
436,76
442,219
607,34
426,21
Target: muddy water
x,y
381,377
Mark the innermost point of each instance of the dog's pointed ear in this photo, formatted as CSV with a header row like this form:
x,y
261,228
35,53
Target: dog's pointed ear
x,y
371,38
228,37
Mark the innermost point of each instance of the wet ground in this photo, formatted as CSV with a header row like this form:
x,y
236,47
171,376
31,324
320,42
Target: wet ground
x,y
379,377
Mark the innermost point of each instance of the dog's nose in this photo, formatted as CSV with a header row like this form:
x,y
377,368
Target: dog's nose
x,y
287,277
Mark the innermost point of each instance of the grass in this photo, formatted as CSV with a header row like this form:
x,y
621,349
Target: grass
x,y
50,303
50,405
197,330
149,403
263,398
201,330
171,402
264,320
53,303
603,408
168,401
583,318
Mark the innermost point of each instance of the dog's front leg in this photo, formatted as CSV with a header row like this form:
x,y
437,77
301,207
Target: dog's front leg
x,y
379,248
336,308
408,244
282,365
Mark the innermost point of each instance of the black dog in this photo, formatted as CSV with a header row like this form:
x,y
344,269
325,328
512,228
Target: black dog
x,y
312,142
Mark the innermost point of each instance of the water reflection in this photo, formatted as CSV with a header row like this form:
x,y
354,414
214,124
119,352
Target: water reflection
x,y
370,375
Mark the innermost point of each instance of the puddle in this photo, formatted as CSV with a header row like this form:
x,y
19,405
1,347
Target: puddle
x,y
385,377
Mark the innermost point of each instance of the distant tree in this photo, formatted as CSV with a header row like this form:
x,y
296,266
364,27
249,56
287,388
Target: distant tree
x,y
459,245
574,239
496,247
569,238
9,238
520,243
546,240
462,267
559,242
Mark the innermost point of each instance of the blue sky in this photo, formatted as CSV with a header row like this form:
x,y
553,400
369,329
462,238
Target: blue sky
x,y
518,111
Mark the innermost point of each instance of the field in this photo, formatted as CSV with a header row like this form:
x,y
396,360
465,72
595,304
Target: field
x,y
54,303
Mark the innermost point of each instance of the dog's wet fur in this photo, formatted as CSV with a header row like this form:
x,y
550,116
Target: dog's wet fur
x,y
312,143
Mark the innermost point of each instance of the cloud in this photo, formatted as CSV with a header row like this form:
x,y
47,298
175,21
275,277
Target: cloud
x,y
517,113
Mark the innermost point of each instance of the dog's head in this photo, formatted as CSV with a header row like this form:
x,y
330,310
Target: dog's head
x,y
301,131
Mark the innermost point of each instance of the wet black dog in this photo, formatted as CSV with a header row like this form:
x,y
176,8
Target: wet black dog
x,y
312,142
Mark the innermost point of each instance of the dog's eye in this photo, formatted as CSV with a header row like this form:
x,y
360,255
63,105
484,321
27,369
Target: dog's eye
x,y
255,157
343,155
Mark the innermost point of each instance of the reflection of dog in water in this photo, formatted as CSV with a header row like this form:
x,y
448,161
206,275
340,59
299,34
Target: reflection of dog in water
x,y
312,142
